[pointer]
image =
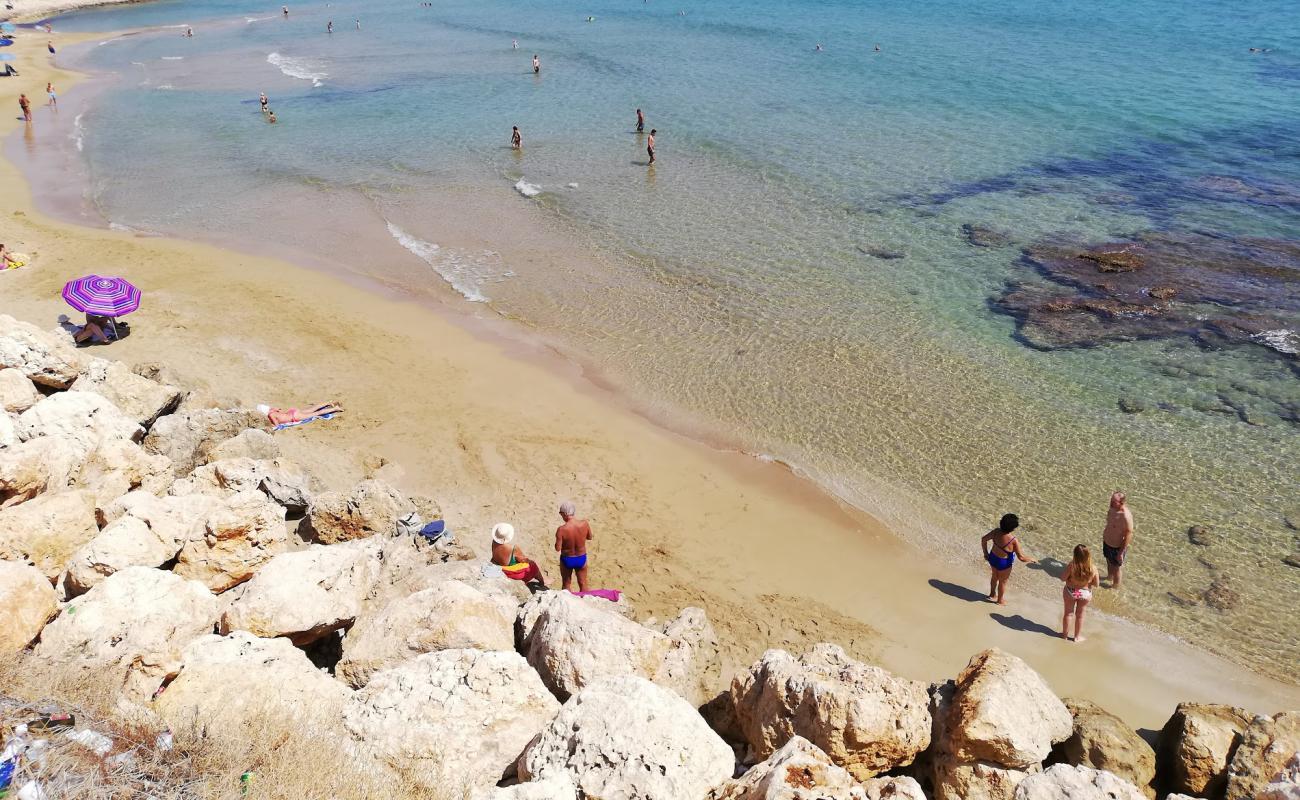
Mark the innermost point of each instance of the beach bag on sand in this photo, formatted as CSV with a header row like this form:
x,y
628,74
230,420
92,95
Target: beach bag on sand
x,y
409,524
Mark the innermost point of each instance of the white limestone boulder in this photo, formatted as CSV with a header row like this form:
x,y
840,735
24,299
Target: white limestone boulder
x,y
30,468
867,720
1066,782
135,612
253,443
48,530
626,737
239,535
17,392
900,788
188,438
116,467
303,595
554,787
449,616
28,601
372,507
1101,740
450,718
1285,785
8,431
979,780
799,770
1267,745
41,357
574,641
83,417
224,681
139,398
1003,712
1196,745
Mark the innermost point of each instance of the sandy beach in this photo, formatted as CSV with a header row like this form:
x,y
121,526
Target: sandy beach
x,y
496,428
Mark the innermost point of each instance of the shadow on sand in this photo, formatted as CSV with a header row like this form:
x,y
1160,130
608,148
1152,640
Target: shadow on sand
x,y
959,592
1019,623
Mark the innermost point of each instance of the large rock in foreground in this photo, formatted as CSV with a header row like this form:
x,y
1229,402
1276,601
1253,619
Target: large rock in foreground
x,y
553,787
133,613
627,738
1003,712
139,398
1266,746
1102,741
373,507
225,681
1064,782
82,417
303,595
1196,745
449,616
799,770
28,601
1286,784
239,535
979,780
864,718
451,718
189,437
17,392
41,357
48,530
575,641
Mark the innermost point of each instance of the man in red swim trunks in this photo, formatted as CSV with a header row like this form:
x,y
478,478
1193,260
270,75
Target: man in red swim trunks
x,y
571,542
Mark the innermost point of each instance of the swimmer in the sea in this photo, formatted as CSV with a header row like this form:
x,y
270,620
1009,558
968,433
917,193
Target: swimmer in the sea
x,y
329,26
537,65
650,145
270,117
516,141
818,48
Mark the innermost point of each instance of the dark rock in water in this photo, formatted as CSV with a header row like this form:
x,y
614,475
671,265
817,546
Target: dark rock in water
x,y
980,236
1182,599
1220,596
1292,560
1291,518
879,252
1131,405
1214,290
1200,535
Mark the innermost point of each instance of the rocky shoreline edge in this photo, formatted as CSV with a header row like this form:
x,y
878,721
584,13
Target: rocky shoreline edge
x,y
163,548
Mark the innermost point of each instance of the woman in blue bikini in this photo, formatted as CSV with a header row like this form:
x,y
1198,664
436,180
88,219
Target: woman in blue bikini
x,y
1001,549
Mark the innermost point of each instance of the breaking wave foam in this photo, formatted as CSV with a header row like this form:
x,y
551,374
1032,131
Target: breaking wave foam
x,y
466,274
527,189
300,68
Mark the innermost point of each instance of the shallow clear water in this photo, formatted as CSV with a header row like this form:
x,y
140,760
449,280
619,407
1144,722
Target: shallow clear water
x,y
728,289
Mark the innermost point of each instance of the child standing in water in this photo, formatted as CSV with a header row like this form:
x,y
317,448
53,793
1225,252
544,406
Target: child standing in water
x,y
1080,577
54,98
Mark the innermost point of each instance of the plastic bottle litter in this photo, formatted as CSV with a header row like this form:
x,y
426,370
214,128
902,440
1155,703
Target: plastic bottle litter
x,y
245,783
31,791
97,743
164,742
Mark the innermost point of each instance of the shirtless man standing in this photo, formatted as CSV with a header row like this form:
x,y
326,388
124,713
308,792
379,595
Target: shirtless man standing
x,y
640,121
650,145
1116,538
571,542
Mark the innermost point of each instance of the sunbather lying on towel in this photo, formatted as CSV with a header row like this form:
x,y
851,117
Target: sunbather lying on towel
x,y
288,416
511,559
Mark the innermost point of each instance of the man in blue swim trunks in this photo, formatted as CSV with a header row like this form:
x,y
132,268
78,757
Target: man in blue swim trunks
x,y
571,542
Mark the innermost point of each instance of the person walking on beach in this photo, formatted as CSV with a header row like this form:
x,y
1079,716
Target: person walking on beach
x,y
650,145
26,106
640,121
516,141
1080,576
571,543
50,46
537,65
54,98
1116,538
512,561
1001,550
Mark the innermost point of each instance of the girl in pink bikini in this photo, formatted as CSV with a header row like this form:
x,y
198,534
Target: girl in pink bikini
x,y
288,416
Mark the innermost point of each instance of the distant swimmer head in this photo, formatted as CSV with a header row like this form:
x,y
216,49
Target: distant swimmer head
x,y
568,509
503,533
1008,523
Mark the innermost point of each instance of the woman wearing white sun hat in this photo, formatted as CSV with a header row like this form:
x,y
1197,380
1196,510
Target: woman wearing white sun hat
x,y
512,561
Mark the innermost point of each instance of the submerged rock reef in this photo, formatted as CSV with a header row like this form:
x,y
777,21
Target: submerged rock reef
x,y
170,549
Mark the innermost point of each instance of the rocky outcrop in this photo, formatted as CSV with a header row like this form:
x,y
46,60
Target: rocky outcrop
x,y
17,392
799,770
1267,744
626,737
449,616
135,612
575,641
189,437
41,357
139,398
288,484
553,787
1102,741
864,718
84,418
240,534
128,542
450,718
1065,782
1196,745
1003,712
117,466
979,780
372,507
225,681
901,788
39,465
253,443
8,431
28,601
1285,785
48,530
303,595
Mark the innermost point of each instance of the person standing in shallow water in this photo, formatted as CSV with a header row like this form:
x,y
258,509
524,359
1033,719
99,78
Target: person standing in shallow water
x,y
650,146
1001,549
537,65
516,141
640,121
1116,537
26,106
571,543
1080,576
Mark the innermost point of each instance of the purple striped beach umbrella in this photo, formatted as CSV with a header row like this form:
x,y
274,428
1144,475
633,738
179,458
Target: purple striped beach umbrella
x,y
97,294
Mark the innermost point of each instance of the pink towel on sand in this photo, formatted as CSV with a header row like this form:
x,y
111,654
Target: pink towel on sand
x,y
612,595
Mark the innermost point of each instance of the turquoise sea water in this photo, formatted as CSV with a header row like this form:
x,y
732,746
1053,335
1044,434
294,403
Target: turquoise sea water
x,y
739,287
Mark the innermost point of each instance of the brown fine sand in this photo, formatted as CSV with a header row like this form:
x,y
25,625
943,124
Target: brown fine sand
x,y
499,429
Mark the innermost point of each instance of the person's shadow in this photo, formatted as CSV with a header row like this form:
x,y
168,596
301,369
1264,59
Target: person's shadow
x,y
959,592
1052,566
68,325
1019,623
